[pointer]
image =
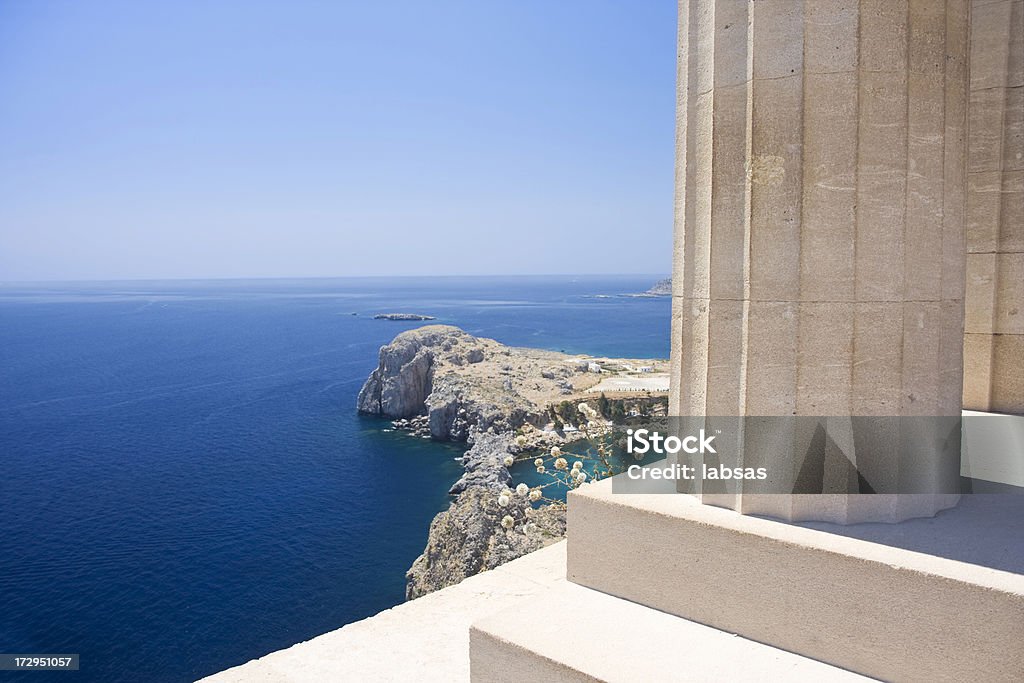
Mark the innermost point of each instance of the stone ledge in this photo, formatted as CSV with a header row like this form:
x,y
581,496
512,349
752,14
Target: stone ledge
x,y
859,597
571,633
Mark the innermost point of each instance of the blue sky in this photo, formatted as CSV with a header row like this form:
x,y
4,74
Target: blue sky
x,y
278,139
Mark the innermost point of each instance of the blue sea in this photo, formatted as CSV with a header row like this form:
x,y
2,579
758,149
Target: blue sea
x,y
185,482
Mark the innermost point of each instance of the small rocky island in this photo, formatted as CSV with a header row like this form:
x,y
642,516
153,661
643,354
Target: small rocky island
x,y
661,288
442,382
403,316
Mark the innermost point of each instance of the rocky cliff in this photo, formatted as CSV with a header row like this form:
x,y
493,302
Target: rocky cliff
x,y
468,537
403,378
440,381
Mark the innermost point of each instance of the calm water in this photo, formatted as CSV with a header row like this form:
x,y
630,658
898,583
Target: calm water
x,y
185,482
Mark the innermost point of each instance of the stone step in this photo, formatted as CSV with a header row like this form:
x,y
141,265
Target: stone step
x,y
939,599
572,633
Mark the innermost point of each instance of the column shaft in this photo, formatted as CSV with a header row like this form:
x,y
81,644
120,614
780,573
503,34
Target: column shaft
x,y
819,266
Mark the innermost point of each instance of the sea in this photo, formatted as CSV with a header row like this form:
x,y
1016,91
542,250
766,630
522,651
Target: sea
x,y
185,482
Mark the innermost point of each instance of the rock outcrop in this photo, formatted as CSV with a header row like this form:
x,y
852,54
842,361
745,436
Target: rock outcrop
x,y
402,381
468,538
465,383
661,288
483,464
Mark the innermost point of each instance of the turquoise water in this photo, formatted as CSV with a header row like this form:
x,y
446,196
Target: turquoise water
x,y
186,484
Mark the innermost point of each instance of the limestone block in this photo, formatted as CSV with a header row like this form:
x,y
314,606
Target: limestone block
x,y
921,359
776,43
775,186
829,200
984,202
1013,130
1011,209
772,389
877,359
981,292
986,130
725,367
729,171
825,357
883,35
978,370
830,36
1015,57
1009,295
1007,394
989,57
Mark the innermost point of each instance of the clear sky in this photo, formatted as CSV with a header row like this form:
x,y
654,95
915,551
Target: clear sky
x,y
291,138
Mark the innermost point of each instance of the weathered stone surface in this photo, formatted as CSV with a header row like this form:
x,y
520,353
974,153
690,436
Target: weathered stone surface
x,y
995,208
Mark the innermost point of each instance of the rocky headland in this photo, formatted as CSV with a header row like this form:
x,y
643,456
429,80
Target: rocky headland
x,y
661,288
453,383
442,382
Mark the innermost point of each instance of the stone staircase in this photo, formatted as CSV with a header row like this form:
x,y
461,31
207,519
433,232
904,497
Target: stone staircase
x,y
573,633
663,588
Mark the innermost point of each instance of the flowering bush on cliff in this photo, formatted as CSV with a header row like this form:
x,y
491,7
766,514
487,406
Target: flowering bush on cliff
x,y
556,466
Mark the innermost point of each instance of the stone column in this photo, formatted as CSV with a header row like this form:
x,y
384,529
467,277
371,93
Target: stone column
x,y
994,339
819,237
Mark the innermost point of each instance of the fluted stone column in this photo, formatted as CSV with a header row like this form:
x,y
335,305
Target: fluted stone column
x,y
994,339
819,265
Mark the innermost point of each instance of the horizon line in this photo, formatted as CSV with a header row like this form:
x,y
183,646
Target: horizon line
x,y
6,283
